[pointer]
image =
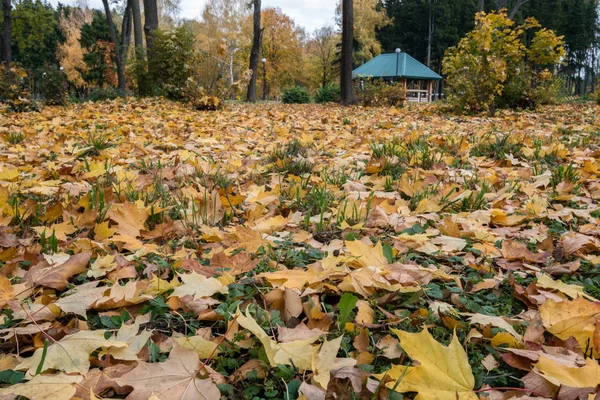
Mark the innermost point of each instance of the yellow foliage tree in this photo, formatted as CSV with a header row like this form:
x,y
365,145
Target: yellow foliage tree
x,y
70,53
492,58
282,47
321,54
368,18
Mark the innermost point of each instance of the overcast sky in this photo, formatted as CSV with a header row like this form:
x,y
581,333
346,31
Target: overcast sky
x,y
310,14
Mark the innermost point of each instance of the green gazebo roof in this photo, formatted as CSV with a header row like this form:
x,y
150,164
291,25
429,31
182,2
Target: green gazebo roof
x,y
384,66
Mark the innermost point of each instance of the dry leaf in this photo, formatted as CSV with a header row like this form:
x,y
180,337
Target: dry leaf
x,y
443,373
174,379
71,354
45,387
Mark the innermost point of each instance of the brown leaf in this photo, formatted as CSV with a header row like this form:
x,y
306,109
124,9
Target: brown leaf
x,y
513,250
56,276
174,379
99,381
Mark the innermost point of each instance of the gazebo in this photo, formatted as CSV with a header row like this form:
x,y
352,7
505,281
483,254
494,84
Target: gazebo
x,y
417,78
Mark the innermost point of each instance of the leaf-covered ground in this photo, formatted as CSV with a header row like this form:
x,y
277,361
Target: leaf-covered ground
x,y
271,251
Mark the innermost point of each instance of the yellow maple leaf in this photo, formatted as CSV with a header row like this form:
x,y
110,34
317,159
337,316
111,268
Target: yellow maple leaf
x,y
576,318
135,342
158,286
102,266
325,359
198,286
55,387
102,231
368,256
443,374
587,376
130,217
6,290
573,291
295,352
204,348
71,354
59,230
8,173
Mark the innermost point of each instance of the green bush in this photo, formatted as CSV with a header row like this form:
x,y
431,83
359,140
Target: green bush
x,y
102,94
53,87
167,72
328,94
296,95
97,94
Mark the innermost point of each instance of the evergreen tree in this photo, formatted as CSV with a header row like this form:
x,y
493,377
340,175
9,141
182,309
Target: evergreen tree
x,y
95,38
35,34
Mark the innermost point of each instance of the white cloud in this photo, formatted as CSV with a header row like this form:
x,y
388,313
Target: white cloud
x,y
310,14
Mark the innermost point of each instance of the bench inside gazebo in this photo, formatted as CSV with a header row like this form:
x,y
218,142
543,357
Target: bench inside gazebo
x,y
418,79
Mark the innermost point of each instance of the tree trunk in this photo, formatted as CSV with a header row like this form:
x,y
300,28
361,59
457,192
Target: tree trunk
x,y
255,53
137,29
430,33
500,4
515,8
5,39
150,25
347,41
126,28
116,44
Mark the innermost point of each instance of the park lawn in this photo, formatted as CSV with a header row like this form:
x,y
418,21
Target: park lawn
x,y
265,251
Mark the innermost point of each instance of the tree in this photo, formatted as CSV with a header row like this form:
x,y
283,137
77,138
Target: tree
x,y
492,66
322,49
70,53
150,26
223,37
254,53
501,4
5,38
126,31
117,48
281,46
137,29
35,35
98,55
347,44
426,29
368,18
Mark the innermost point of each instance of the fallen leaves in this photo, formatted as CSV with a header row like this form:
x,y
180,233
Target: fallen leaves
x,y
71,354
198,286
46,387
133,261
443,373
175,378
571,318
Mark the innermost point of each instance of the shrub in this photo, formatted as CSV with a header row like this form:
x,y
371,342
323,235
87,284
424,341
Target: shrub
x,y
102,94
53,87
166,73
13,90
597,93
491,66
296,95
382,94
328,94
548,89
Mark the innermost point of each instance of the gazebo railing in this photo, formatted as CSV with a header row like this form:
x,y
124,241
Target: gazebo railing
x,y
421,96
417,96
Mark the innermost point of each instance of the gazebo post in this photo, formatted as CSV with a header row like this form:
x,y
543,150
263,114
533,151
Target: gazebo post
x,y
429,91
